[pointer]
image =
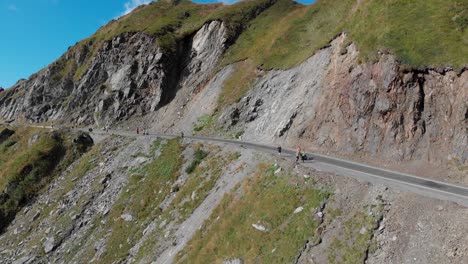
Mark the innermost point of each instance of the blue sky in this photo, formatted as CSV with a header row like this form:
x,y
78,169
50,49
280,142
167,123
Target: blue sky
x,y
36,32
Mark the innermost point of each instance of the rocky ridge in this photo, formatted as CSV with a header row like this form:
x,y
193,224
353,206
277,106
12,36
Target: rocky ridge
x,y
130,76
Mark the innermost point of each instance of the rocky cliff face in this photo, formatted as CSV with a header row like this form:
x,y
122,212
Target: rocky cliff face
x,y
129,76
334,103
331,102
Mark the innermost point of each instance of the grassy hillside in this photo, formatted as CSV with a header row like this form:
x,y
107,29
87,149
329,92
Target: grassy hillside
x,y
28,159
169,22
420,33
267,200
282,33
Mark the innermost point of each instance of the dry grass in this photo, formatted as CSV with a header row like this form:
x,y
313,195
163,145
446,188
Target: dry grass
x,y
267,200
237,85
145,193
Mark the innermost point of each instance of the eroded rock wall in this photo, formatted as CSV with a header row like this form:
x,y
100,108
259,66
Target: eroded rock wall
x,y
334,103
331,102
129,76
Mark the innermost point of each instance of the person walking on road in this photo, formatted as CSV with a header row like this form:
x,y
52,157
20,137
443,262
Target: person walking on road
x,y
279,150
298,153
303,156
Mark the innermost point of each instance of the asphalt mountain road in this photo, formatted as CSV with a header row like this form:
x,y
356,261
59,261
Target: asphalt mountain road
x,y
401,181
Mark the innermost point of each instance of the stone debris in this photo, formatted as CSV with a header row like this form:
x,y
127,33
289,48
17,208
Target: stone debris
x,y
49,244
140,160
24,260
363,231
298,210
233,261
127,217
260,228
35,216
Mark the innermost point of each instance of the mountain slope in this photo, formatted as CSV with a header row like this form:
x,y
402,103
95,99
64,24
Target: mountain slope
x,y
383,82
175,62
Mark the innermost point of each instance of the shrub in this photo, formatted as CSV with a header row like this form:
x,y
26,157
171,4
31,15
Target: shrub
x,y
198,157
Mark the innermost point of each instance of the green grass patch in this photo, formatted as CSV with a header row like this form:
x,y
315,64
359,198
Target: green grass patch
x,y
141,198
80,71
421,32
357,238
63,68
237,85
200,183
190,195
198,156
205,122
267,200
288,33
30,166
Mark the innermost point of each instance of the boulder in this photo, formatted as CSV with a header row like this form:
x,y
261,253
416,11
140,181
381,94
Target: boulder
x,y
260,228
127,217
298,210
49,244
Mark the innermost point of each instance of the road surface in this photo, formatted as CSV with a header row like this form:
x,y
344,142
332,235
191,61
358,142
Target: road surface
x,y
402,181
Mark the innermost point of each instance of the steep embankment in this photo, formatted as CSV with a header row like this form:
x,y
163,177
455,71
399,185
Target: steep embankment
x,y
131,66
381,79
392,86
29,158
333,103
144,200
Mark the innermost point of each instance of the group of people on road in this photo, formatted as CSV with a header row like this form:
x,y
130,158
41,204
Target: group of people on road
x,y
300,154
142,131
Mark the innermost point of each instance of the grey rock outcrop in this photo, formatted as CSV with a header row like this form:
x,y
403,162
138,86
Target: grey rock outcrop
x,y
130,76
330,102
49,244
333,103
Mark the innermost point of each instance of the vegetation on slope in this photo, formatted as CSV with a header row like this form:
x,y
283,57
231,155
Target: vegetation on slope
x,y
169,22
358,239
282,33
27,166
288,33
267,200
198,156
238,83
144,193
190,196
420,33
